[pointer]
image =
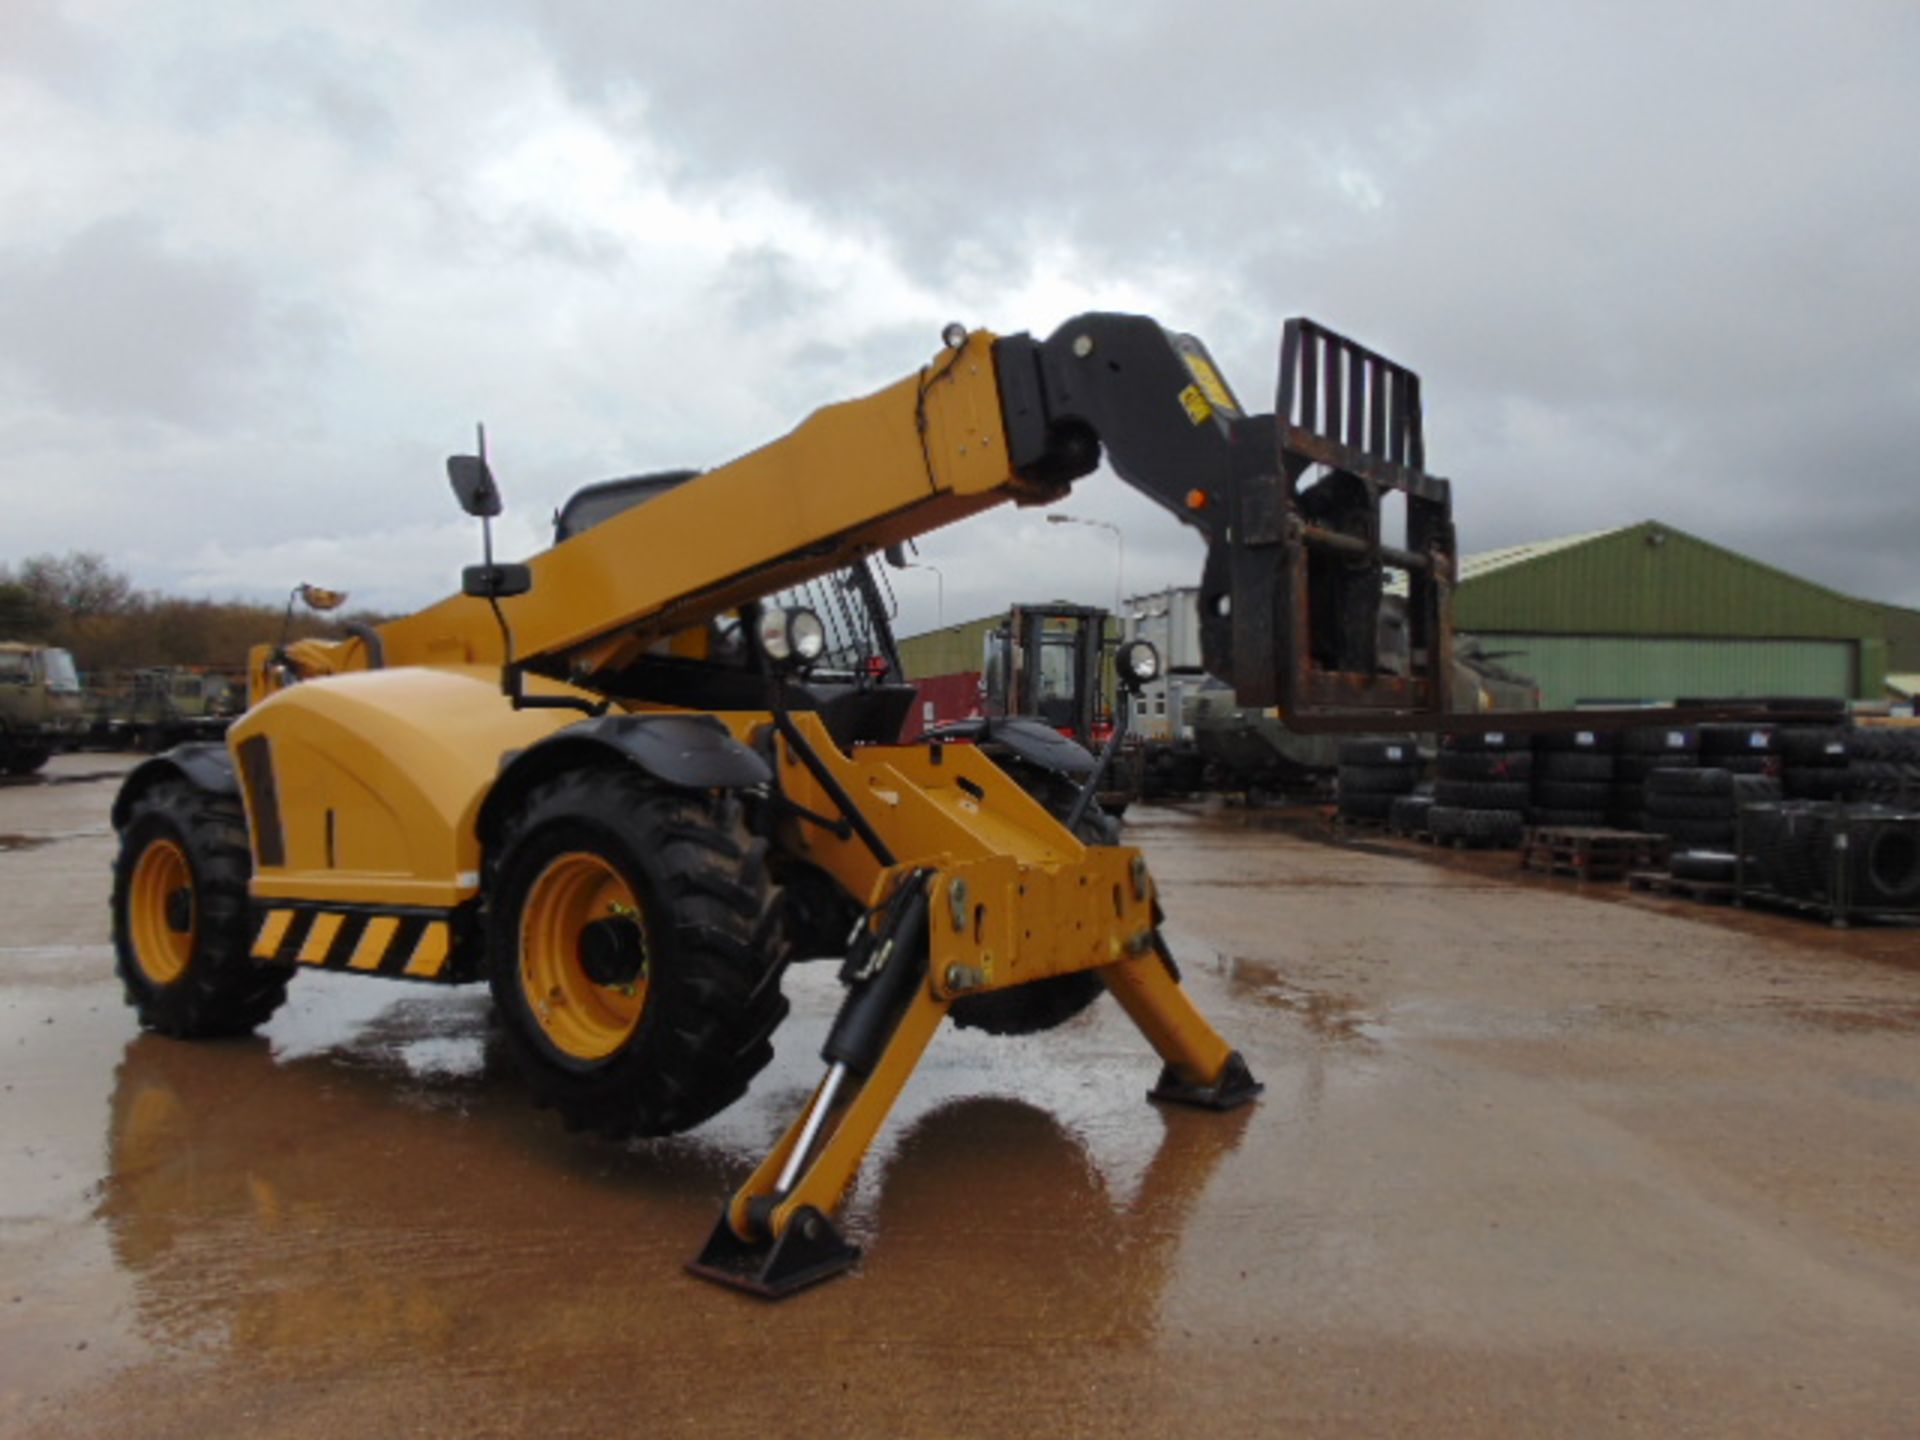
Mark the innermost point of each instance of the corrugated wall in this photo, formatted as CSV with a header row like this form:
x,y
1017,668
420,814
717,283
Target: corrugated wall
x,y
1650,579
1572,668
943,652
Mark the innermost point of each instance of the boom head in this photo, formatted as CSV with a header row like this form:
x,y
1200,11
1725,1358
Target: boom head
x,y
1290,502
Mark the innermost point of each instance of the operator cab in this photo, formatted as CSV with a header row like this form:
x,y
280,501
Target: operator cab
x,y
854,685
1046,663
592,505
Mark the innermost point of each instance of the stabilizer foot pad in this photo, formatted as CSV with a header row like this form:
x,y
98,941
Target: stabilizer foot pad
x,y
1235,1087
812,1250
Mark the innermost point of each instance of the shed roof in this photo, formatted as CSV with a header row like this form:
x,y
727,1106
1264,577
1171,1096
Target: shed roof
x,y
1650,579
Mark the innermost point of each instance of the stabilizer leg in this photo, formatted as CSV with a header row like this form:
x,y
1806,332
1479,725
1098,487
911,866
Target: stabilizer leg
x,y
1200,1069
775,1236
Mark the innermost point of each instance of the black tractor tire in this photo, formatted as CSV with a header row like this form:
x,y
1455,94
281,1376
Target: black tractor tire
x,y
1755,789
1705,834
1723,741
1572,794
1813,747
710,951
1409,812
1481,794
1888,876
1568,819
1378,779
1659,740
25,761
1711,865
1690,807
1484,765
1710,780
1366,805
182,931
1378,752
1497,827
1496,742
1824,782
1574,765
1635,768
1576,742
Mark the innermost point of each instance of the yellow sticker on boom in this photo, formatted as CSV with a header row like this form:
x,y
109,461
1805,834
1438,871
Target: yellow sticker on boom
x,y
1209,381
1197,408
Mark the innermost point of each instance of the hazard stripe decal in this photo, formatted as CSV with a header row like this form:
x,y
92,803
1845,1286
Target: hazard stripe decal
x,y
273,930
430,955
416,947
374,940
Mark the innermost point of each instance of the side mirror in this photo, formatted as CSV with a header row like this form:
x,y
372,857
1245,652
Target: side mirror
x,y
473,485
495,582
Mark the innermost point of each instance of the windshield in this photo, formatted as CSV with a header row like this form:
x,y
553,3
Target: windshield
x,y
1056,678
61,676
14,669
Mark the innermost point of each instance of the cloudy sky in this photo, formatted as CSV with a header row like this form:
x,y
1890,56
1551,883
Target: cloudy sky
x,y
262,267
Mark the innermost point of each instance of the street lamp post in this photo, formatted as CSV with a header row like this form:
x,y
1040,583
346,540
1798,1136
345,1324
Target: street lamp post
x,y
939,591
1119,551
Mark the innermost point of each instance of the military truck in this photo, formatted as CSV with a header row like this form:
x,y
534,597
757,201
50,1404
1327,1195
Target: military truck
x,y
160,706
40,710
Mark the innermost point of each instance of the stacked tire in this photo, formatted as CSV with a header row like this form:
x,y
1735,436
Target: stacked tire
x,y
1883,766
1814,762
1638,753
1696,808
1408,814
1573,775
1742,749
1482,788
1373,774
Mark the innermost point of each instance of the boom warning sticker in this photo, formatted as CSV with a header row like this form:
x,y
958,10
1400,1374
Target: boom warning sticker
x,y
1210,383
1197,408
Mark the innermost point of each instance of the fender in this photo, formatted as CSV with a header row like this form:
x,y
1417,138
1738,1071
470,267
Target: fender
x,y
205,765
692,752
1033,741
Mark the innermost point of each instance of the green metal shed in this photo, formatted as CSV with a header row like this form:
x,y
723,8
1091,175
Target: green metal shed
x,y
1649,612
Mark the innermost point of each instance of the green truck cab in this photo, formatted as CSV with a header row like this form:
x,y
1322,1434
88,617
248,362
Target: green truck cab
x,y
40,705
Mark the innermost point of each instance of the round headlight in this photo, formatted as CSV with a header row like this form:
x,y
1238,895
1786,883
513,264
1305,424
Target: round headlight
x,y
1140,661
771,632
806,635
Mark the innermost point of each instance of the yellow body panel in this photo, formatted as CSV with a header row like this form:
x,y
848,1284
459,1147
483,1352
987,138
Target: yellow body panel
x,y
379,775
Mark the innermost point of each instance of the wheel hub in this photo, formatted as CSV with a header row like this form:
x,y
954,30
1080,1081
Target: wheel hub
x,y
179,909
613,951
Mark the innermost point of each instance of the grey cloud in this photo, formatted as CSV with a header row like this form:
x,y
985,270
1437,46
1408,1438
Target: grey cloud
x,y
113,322
1679,237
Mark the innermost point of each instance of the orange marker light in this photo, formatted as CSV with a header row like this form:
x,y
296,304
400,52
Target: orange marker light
x,y
1196,499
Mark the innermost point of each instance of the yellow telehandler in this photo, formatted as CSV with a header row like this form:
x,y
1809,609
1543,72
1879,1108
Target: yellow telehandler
x,y
627,782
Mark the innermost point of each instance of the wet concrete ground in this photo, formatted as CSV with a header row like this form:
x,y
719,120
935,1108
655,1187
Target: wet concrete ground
x,y
1529,1163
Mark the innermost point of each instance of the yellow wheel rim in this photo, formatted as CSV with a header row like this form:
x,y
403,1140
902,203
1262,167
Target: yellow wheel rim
x,y
585,1018
163,912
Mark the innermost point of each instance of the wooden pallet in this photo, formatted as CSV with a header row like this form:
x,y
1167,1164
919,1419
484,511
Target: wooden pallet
x,y
1460,842
1591,852
1659,882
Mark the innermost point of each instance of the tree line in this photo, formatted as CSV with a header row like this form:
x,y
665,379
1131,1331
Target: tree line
x,y
80,602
